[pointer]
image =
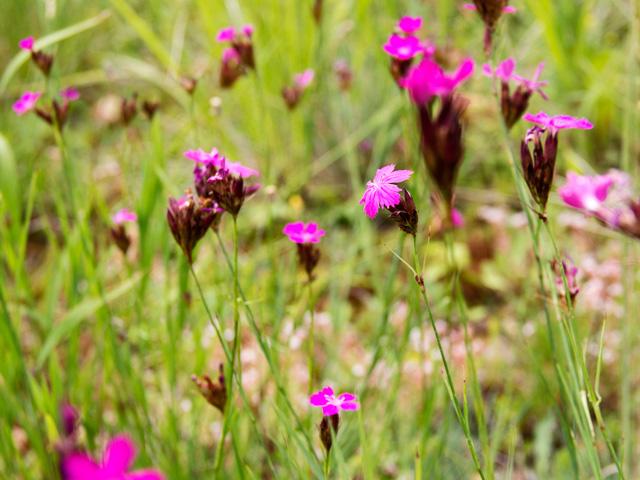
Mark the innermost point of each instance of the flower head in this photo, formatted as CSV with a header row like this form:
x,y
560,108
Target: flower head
x,y
227,34
585,192
70,94
382,191
300,232
304,79
189,219
427,80
410,25
292,94
124,215
558,122
27,43
116,460
330,404
403,48
26,102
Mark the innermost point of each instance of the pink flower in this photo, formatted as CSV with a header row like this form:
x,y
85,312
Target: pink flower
x,y
26,102
382,191
331,404
586,193
558,122
304,79
229,55
116,461
124,215
410,25
504,71
215,159
507,9
70,94
300,232
457,220
27,43
247,30
428,79
403,48
226,34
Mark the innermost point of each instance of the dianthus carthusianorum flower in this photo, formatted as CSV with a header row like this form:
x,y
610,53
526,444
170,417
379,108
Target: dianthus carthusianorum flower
x,y
490,11
382,191
43,61
404,47
305,236
118,231
26,102
239,57
189,219
293,93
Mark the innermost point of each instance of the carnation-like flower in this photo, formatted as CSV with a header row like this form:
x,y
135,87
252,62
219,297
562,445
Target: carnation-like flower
x,y
332,404
215,159
304,79
403,48
293,93
227,34
124,215
428,79
115,463
26,102
584,192
382,191
558,122
410,25
27,43
300,232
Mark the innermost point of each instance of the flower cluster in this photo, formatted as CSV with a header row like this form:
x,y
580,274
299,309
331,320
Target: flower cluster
x,y
403,47
513,105
238,58
56,114
189,218
490,11
293,93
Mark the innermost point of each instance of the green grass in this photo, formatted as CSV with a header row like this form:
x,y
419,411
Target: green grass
x,y
119,337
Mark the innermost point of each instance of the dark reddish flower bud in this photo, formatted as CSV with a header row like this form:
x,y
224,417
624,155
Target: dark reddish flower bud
x,y
293,93
344,74
189,219
128,108
317,11
329,423
69,419
308,257
189,84
231,67
228,190
405,213
539,163
490,11
43,61
214,393
399,69
244,46
150,107
121,238
441,141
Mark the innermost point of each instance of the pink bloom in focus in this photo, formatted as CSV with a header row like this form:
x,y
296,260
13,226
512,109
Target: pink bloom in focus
x,y
124,215
558,122
304,79
403,48
586,193
26,102
70,94
300,232
27,43
410,25
457,220
226,34
507,9
331,405
382,191
116,461
428,79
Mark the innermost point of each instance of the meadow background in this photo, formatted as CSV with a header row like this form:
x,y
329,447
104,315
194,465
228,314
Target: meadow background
x,y
120,336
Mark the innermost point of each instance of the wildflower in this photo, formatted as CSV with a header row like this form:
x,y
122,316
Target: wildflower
x,y
382,191
490,11
70,94
69,417
410,25
570,274
189,219
428,80
344,74
42,60
403,48
327,424
293,93
214,393
305,236
457,220
231,68
226,186
26,102
116,460
239,57
27,43
331,406
538,165
188,84
513,105
405,214
118,232
150,107
128,109
587,193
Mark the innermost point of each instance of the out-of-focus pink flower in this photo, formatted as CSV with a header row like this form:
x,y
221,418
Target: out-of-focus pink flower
x,y
427,80
27,43
70,94
304,79
26,102
247,30
571,274
410,25
300,232
587,193
382,191
507,9
117,459
504,71
403,48
124,215
533,85
330,404
226,34
457,220
558,122
215,159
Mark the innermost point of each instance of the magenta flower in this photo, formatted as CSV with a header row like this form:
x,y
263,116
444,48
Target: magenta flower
x,y
216,160
304,79
114,465
558,122
124,215
587,193
403,48
300,232
26,102
507,9
70,94
27,43
226,34
247,30
457,220
504,71
410,25
427,80
331,405
382,191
